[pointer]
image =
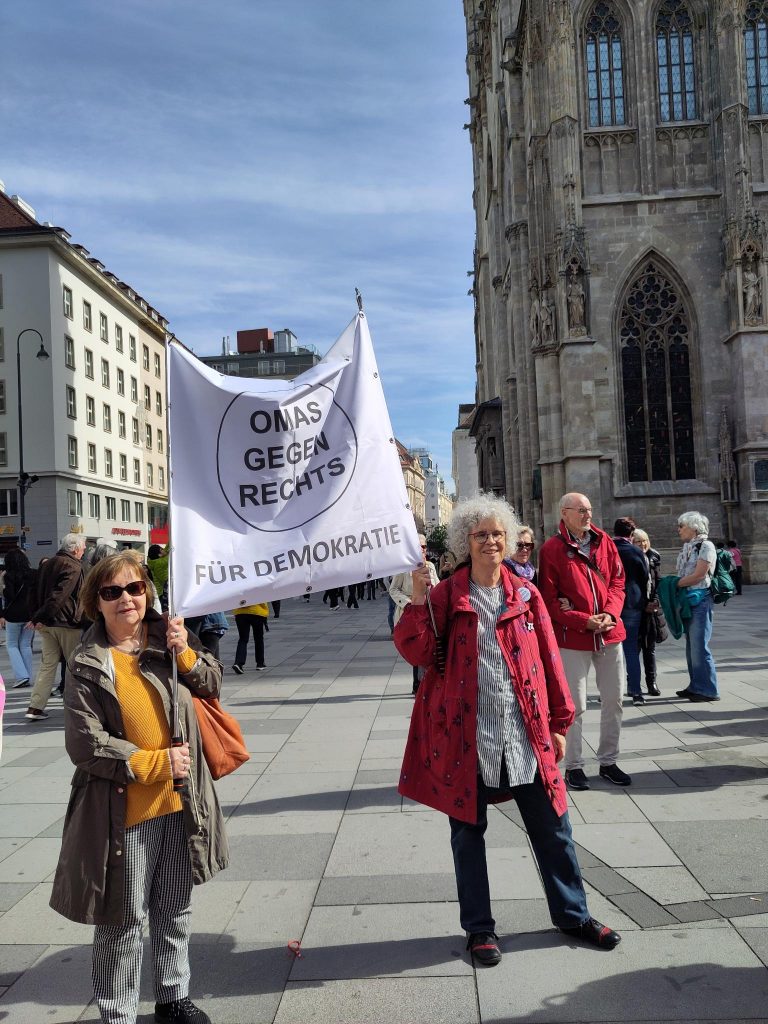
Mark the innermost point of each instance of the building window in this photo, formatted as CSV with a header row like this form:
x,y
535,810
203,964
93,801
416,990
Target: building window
x,y
2,397
677,72
148,436
147,398
158,403
160,440
118,338
91,457
760,472
278,366
3,449
605,67
157,364
89,363
123,467
8,502
157,515
132,348
756,46
150,475
103,327
135,430
107,419
138,509
75,503
120,382
72,452
134,390
1,291
161,478
94,506
121,431
111,508
104,373
87,319
125,510
656,380
107,462
67,296
90,411
2,345
145,356
69,353
136,471
71,403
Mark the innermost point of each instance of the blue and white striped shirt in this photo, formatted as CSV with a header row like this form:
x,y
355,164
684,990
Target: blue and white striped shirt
x,y
500,725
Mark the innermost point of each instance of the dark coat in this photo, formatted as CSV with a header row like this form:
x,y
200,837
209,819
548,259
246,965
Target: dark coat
x,y
90,876
19,595
440,764
591,585
58,590
636,572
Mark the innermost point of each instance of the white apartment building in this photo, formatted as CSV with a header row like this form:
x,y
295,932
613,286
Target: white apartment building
x,y
438,506
93,413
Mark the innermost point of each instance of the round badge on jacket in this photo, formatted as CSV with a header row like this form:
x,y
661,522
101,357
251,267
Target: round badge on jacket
x,y
524,594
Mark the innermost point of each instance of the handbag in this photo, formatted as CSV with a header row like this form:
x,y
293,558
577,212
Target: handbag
x,y
223,744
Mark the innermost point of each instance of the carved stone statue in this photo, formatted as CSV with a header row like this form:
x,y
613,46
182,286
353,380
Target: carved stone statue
x,y
547,321
575,304
534,321
752,299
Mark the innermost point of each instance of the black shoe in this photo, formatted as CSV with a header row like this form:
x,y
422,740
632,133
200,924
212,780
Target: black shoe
x,y
484,947
594,933
238,669
21,683
576,779
684,693
699,698
653,690
638,699
614,774
180,1011
35,714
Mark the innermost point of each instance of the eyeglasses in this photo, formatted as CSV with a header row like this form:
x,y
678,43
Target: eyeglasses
x,y
525,547
112,593
581,511
482,536
423,547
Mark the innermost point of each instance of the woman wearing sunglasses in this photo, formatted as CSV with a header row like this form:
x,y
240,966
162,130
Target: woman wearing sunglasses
x,y
133,845
520,560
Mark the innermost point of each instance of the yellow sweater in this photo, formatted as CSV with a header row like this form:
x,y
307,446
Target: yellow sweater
x,y
151,795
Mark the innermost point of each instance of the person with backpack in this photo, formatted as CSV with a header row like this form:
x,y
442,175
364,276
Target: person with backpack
x,y
696,565
18,603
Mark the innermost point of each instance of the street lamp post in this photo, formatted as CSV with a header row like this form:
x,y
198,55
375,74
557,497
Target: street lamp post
x,y
25,481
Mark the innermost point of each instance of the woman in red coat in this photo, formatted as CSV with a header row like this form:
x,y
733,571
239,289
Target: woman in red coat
x,y
492,727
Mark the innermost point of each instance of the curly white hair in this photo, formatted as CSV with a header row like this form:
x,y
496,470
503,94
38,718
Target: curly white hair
x,y
469,512
695,521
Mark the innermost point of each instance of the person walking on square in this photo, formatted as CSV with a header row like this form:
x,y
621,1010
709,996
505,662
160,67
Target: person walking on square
x,y
250,619
57,617
19,604
132,845
636,573
735,551
580,568
695,566
653,627
490,721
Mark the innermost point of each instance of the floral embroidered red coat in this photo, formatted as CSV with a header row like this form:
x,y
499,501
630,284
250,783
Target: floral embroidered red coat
x,y
440,763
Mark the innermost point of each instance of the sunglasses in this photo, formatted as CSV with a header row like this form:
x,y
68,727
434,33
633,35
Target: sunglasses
x,y
525,547
135,589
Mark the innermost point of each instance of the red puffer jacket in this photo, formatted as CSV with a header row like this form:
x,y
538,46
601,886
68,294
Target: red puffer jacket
x,y
591,585
440,763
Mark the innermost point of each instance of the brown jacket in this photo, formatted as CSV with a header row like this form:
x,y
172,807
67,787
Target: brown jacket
x,y
58,590
90,876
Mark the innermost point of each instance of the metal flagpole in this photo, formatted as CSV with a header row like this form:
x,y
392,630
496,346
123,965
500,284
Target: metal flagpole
x,y
177,740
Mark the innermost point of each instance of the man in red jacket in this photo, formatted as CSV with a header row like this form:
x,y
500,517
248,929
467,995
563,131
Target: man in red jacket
x,y
581,579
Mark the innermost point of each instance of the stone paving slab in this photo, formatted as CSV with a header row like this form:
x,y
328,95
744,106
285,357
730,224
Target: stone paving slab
x,y
723,855
397,1001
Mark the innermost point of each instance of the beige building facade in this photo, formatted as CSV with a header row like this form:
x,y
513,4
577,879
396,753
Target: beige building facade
x,y
620,157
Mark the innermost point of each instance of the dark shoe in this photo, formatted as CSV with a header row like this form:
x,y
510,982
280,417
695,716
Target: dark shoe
x,y
638,699
35,714
653,690
576,779
20,684
484,947
699,698
59,691
238,669
614,774
261,668
594,933
180,1011
685,694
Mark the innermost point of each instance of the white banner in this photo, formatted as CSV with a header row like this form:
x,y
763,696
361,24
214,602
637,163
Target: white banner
x,y
280,488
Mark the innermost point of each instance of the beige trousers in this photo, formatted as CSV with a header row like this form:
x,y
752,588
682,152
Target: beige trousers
x,y
56,642
608,664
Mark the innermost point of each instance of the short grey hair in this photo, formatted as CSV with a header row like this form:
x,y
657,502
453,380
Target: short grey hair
x,y
469,513
72,541
524,528
695,521
639,534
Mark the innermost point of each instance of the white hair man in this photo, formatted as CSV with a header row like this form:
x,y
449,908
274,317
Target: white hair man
x,y
582,581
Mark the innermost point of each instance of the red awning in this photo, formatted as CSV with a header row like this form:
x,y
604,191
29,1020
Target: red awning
x,y
159,535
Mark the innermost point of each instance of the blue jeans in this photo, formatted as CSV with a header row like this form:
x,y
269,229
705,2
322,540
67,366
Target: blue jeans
x,y
19,644
701,664
391,613
632,617
553,848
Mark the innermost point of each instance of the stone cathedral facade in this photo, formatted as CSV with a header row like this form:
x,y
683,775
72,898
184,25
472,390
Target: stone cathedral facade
x,y
620,152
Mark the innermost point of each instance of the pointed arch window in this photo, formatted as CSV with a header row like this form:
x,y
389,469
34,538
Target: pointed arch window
x,y
605,67
756,48
656,378
676,64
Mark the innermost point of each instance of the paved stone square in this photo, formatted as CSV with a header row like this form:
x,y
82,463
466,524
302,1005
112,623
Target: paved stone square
x,y
324,851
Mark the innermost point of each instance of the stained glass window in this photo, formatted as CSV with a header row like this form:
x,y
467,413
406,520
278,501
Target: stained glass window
x,y
605,67
656,379
677,67
756,46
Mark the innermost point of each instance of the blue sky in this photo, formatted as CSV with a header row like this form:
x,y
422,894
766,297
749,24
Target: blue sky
x,y
247,163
